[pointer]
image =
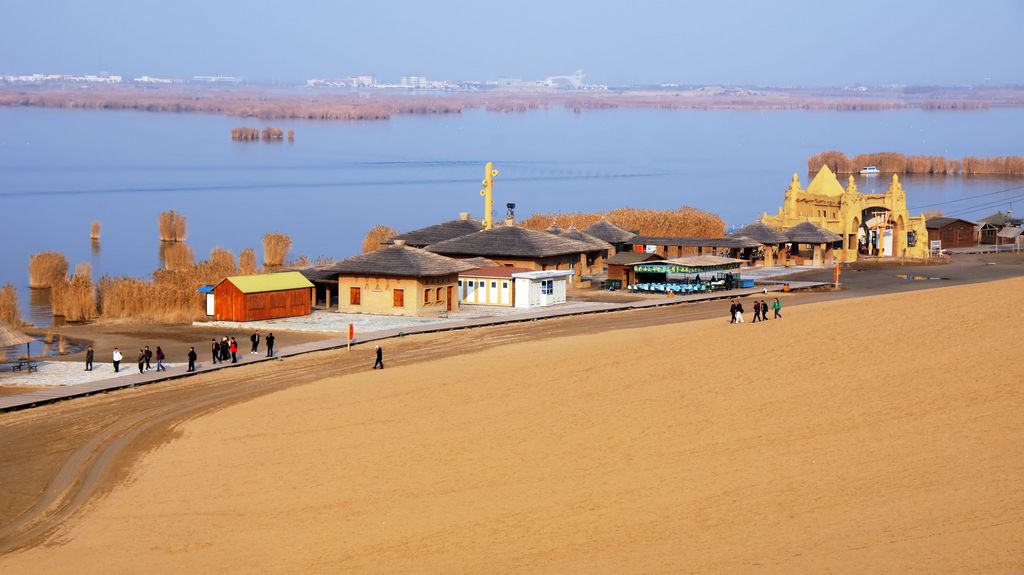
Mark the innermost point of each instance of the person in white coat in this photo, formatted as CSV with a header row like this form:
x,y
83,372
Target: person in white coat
x,y
117,360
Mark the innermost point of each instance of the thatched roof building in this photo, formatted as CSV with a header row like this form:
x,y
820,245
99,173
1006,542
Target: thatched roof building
x,y
609,232
808,233
439,232
596,244
400,260
510,241
761,232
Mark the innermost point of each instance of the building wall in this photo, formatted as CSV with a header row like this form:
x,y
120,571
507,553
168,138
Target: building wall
x,y
954,235
842,214
495,291
377,295
529,294
230,304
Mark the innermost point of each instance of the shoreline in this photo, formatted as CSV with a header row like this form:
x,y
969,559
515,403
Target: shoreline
x,y
308,104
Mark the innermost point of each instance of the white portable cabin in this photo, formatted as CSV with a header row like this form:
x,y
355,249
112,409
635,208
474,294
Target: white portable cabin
x,y
542,288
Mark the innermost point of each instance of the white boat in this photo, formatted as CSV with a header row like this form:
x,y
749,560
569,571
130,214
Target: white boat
x,y
870,171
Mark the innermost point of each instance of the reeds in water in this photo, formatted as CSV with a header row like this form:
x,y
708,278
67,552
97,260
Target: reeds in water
x,y
94,231
45,269
74,299
9,312
223,259
275,249
896,163
172,226
373,239
247,262
681,222
177,256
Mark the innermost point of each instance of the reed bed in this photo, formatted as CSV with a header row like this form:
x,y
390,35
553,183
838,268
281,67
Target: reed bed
x,y
223,259
375,238
245,134
172,226
9,312
45,269
247,262
896,163
94,231
75,298
275,249
681,222
177,256
170,297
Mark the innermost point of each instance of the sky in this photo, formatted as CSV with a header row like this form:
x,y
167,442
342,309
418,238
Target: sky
x,y
779,43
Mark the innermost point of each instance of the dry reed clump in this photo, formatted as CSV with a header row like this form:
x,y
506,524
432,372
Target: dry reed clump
x,y
224,260
929,214
896,163
75,298
247,262
275,249
375,238
245,134
45,269
94,231
177,256
9,312
681,222
62,346
172,226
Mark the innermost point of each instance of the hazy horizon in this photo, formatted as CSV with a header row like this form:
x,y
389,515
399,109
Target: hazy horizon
x,y
798,44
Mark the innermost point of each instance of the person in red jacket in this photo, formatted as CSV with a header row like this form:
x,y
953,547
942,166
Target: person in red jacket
x,y
234,351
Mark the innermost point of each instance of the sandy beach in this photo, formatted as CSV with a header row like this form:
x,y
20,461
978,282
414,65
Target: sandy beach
x,y
878,434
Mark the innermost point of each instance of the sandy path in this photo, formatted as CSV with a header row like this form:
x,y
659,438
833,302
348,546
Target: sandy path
x,y
695,447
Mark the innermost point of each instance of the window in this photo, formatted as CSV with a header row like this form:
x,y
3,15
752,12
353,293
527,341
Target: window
x,y
481,284
399,295
354,295
460,283
547,287
494,285
440,295
504,285
426,295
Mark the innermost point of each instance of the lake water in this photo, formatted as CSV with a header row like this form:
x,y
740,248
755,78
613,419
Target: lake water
x,y
62,169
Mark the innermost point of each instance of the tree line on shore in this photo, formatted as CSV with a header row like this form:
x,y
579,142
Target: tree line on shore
x,y
896,163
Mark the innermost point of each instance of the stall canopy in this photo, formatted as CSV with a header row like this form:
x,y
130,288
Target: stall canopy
x,y
689,265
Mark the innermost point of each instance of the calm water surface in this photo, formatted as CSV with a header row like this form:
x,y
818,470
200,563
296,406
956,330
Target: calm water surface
x,y
62,169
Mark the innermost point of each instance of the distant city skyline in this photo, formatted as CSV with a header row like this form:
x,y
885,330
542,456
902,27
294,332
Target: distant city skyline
x,y
796,43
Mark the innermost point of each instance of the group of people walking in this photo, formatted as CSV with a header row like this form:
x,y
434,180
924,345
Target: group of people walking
x,y
760,310
222,351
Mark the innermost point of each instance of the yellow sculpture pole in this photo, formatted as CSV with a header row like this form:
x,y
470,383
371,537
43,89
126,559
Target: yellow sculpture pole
x,y
488,193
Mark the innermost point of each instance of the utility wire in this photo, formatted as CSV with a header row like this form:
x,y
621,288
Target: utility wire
x,y
1013,189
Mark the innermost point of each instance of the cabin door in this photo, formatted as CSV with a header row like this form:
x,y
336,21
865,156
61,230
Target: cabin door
x,y
448,302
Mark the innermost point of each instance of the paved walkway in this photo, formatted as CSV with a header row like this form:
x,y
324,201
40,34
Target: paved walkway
x,y
58,393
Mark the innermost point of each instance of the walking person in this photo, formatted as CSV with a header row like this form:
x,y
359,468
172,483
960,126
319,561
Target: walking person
x,y
225,349
192,359
233,348
255,339
142,361
739,312
778,308
149,355
732,312
757,311
88,358
380,358
160,359
215,350
117,360
270,344
764,310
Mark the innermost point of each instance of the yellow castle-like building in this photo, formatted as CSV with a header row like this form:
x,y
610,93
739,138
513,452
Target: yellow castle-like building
x,y
869,224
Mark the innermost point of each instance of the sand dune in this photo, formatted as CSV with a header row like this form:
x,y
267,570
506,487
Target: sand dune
x,y
869,435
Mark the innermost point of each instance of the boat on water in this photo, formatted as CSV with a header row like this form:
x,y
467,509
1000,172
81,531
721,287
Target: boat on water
x,y
870,171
